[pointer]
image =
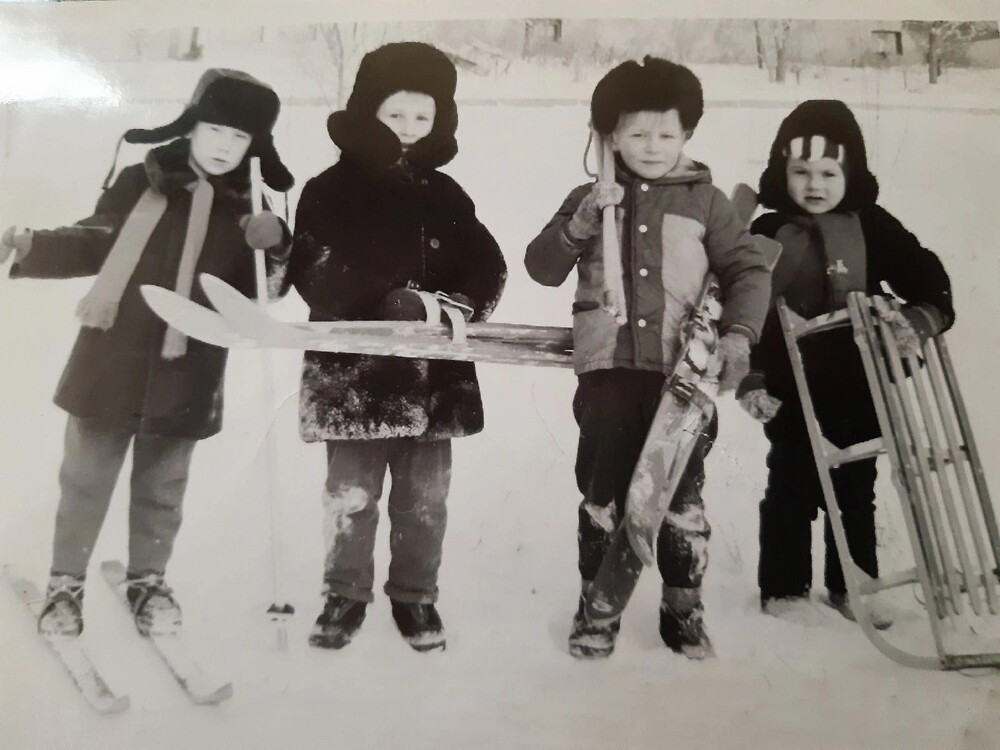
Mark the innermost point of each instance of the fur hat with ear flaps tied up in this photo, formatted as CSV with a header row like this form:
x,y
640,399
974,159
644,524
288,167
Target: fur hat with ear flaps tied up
x,y
235,99
654,85
816,128
400,66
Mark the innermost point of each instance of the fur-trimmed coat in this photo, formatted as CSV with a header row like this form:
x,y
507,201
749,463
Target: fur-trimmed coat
x,y
359,234
118,379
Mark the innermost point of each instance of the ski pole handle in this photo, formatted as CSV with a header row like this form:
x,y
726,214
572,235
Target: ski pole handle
x,y
257,205
614,287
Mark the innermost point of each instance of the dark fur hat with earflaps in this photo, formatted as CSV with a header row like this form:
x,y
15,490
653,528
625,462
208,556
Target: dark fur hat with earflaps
x,y
654,85
400,66
835,123
235,99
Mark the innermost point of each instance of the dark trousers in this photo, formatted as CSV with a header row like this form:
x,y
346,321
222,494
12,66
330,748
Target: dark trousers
x,y
615,409
794,496
421,474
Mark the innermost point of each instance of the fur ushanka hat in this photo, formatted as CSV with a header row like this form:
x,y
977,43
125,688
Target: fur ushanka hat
x,y
400,66
655,85
235,99
819,125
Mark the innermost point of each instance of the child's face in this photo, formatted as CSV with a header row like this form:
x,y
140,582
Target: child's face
x,y
218,149
650,143
409,115
817,186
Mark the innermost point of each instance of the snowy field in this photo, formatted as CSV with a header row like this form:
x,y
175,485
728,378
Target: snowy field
x,y
509,580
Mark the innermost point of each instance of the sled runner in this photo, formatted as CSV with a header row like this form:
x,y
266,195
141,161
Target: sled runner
x,y
938,476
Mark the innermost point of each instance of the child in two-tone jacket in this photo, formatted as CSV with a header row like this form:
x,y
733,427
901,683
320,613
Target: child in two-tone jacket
x,y
835,239
131,380
675,228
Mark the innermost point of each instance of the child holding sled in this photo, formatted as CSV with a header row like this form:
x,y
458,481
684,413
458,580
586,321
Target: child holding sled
x,y
836,239
131,380
675,228
370,231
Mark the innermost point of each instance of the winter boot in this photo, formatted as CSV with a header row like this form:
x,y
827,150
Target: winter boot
x,y
682,622
796,609
880,617
592,639
419,624
62,614
154,608
339,621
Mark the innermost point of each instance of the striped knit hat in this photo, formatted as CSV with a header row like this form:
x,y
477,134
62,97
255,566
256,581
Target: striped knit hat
x,y
815,129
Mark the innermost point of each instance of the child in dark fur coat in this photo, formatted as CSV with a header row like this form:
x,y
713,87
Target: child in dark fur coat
x,y
370,231
835,239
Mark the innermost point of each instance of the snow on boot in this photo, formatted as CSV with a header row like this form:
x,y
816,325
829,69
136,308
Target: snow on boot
x,y
682,623
419,624
796,609
592,639
154,608
62,614
880,617
338,623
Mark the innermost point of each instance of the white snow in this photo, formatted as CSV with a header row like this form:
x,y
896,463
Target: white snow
x,y
509,582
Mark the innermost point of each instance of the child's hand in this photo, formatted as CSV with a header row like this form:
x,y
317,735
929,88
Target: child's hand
x,y
12,241
586,222
264,231
733,354
401,304
760,405
912,326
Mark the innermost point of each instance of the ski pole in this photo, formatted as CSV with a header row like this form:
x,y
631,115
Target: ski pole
x,y
614,287
280,611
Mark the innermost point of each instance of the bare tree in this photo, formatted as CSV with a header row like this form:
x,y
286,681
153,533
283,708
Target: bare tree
x,y
347,43
946,42
772,36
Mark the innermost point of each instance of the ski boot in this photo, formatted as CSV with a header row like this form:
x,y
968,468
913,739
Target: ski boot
x,y
62,614
153,606
592,639
682,623
880,617
420,625
338,622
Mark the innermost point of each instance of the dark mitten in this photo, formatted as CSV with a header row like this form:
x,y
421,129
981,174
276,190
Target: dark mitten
x,y
401,304
265,231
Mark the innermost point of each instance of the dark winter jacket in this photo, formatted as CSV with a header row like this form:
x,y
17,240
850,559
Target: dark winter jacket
x,y
675,230
118,379
833,365
360,234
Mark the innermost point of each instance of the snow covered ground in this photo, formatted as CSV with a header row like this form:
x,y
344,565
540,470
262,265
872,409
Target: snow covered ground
x,y
509,581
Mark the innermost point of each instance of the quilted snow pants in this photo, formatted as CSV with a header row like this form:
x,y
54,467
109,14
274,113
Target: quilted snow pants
x,y
614,409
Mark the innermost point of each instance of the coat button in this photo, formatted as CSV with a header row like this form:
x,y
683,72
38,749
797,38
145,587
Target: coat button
x,y
642,228
641,323
643,272
434,242
644,187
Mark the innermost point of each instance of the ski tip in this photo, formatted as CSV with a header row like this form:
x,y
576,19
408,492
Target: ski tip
x,y
220,695
115,705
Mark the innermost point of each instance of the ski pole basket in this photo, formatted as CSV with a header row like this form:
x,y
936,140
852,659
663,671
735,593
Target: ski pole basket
x,y
938,475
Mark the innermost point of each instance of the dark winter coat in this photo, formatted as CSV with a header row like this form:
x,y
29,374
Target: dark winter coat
x,y
675,230
833,365
359,234
118,379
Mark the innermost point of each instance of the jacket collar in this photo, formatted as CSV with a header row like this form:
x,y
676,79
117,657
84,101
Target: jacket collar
x,y
169,171
686,171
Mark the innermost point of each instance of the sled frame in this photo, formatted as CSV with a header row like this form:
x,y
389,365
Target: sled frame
x,y
938,477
